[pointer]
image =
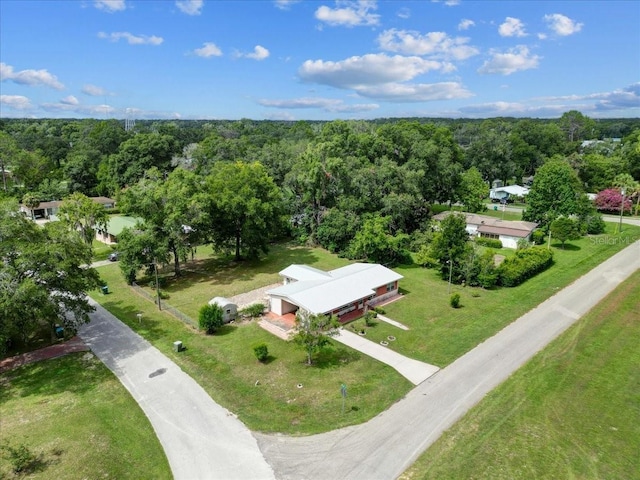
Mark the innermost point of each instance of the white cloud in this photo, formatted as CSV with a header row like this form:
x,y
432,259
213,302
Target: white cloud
x,y
326,104
404,13
190,7
70,100
208,50
448,3
420,92
512,27
110,5
562,25
515,60
90,110
354,13
259,53
29,77
15,102
285,4
132,39
465,24
94,91
370,69
624,98
437,44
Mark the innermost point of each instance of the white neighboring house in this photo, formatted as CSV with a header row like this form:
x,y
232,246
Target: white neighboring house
x,y
509,232
504,193
49,210
345,292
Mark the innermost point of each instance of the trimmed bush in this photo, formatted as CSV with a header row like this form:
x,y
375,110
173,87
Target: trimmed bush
x,y
455,300
261,352
210,318
538,237
524,265
254,310
488,242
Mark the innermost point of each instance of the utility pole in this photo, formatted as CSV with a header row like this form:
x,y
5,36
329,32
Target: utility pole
x,y
155,268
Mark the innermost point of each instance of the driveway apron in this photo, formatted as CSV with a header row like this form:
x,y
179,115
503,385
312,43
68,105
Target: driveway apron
x,y
201,439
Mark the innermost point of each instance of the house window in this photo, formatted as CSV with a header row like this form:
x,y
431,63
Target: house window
x,y
391,286
489,235
228,311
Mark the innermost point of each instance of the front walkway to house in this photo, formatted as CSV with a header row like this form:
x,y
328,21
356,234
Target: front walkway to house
x,y
413,370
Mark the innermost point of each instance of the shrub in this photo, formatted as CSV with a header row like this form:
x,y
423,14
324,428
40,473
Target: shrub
x,y
210,318
488,242
254,310
261,352
538,237
368,318
455,300
379,310
524,265
21,457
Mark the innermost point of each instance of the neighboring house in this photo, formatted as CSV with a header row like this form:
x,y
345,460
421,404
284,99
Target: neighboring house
x,y
49,210
504,193
344,292
507,231
116,224
229,309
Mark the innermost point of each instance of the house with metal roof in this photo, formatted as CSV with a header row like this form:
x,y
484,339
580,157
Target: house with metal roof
x,y
115,226
345,292
509,232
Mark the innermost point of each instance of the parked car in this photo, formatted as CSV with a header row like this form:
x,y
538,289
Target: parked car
x,y
113,257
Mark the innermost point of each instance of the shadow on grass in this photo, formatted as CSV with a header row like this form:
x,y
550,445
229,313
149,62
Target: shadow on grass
x,y
153,329
336,356
569,247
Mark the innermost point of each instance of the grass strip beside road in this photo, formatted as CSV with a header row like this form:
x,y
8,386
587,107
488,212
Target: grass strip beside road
x,y
78,420
571,412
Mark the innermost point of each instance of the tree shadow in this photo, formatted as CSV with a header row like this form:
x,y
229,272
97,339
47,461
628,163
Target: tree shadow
x,y
331,357
569,247
225,330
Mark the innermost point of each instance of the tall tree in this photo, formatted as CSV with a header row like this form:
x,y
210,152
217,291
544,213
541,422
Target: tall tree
x,y
79,213
473,190
42,276
450,247
556,191
245,208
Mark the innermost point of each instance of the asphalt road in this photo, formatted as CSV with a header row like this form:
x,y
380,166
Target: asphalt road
x,y
201,439
384,447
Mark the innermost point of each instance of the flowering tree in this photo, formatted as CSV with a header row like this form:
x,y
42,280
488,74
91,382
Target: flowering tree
x,y
610,200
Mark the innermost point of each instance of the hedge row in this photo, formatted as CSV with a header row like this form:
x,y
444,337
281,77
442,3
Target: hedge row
x,y
488,242
525,264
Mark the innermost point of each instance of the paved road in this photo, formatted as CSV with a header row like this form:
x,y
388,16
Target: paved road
x,y
606,218
201,439
384,447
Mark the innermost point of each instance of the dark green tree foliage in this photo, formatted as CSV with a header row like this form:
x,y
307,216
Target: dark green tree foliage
x,y
139,248
244,207
337,229
451,244
563,229
556,191
314,332
42,278
79,213
375,243
524,265
210,318
473,191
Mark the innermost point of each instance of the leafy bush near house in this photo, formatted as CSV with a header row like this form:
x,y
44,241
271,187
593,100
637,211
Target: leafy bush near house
x,y
210,318
488,242
538,237
379,310
524,265
261,352
253,311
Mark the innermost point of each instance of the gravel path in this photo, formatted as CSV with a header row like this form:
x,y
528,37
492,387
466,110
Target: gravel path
x,y
258,295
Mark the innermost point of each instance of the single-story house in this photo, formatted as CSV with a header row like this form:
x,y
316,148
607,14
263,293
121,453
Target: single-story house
x,y
49,210
115,225
348,290
509,232
229,309
504,193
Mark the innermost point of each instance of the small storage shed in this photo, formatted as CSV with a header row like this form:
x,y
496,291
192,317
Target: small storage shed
x,y
229,309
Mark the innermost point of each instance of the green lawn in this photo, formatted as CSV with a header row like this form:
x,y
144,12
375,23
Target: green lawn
x,y
74,414
572,412
225,366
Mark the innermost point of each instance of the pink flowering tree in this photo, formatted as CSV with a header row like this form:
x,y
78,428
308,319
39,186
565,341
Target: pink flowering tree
x,y
610,200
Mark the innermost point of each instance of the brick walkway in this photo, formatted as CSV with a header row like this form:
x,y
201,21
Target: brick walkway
x,y
72,345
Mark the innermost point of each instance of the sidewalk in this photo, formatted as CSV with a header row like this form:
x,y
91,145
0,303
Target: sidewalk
x,y
413,370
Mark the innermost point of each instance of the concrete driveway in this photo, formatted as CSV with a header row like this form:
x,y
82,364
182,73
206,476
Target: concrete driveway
x,y
384,447
201,439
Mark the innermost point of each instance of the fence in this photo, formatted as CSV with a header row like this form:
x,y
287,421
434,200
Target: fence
x,y
166,307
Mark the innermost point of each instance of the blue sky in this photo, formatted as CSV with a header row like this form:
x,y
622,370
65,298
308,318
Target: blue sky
x,y
318,60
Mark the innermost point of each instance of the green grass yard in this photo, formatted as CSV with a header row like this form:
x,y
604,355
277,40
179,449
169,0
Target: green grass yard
x,y
224,364
572,412
74,414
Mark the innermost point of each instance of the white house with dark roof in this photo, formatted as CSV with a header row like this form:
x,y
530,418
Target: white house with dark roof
x,y
509,232
344,291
